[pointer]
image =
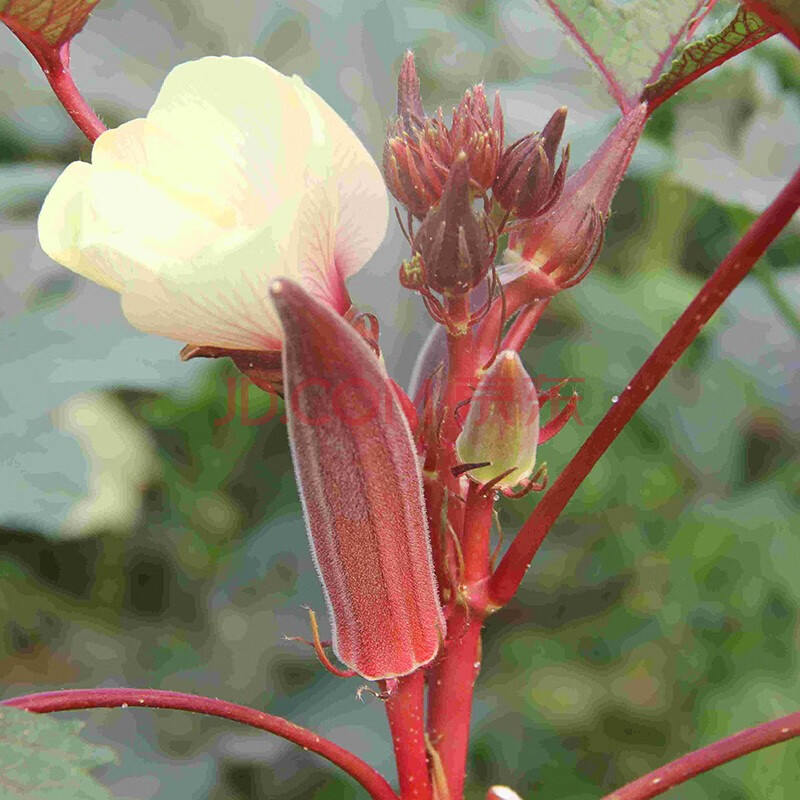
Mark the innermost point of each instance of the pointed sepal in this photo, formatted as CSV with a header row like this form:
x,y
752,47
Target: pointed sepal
x,y
556,250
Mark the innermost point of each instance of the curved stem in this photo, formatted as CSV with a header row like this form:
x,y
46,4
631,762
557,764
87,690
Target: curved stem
x,y
692,764
522,327
726,278
405,709
54,61
68,94
76,699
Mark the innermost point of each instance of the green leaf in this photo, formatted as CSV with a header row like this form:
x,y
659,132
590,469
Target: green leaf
x,y
42,758
743,32
55,21
629,43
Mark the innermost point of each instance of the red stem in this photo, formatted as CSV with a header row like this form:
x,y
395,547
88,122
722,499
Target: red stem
x,y
76,699
726,278
64,88
451,686
477,531
405,710
54,61
452,678
692,764
521,328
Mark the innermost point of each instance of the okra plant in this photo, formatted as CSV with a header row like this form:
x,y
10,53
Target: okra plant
x,y
230,218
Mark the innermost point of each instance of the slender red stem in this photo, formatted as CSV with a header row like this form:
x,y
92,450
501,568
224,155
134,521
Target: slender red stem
x,y
405,709
692,764
726,278
521,328
76,699
68,94
54,61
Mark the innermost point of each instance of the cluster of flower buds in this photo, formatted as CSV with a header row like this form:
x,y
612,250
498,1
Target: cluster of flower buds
x,y
556,227
420,150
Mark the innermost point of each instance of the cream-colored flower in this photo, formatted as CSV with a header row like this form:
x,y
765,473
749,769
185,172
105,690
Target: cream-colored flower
x,y
237,175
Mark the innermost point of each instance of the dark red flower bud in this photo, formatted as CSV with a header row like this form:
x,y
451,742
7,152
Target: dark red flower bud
x,y
417,153
479,134
453,242
409,100
528,183
557,249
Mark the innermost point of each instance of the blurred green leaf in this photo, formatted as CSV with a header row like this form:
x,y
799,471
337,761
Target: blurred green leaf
x,y
42,758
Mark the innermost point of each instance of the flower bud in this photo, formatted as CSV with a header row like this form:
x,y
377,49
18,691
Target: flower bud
x,y
528,182
361,487
556,250
417,153
453,242
479,134
409,100
502,424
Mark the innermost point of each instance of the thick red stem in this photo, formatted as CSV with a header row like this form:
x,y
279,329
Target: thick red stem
x,y
405,709
726,278
692,764
76,699
451,680
451,685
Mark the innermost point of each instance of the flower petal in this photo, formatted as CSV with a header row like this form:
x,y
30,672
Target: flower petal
x,y
363,201
237,176
249,116
61,222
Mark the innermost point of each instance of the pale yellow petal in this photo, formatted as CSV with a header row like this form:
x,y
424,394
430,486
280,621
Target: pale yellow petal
x,y
237,132
61,225
219,296
131,215
363,204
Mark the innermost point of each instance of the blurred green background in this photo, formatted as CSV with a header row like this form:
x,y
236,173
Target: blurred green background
x,y
143,544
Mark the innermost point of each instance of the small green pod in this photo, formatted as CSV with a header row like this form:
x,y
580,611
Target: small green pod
x,y
502,424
